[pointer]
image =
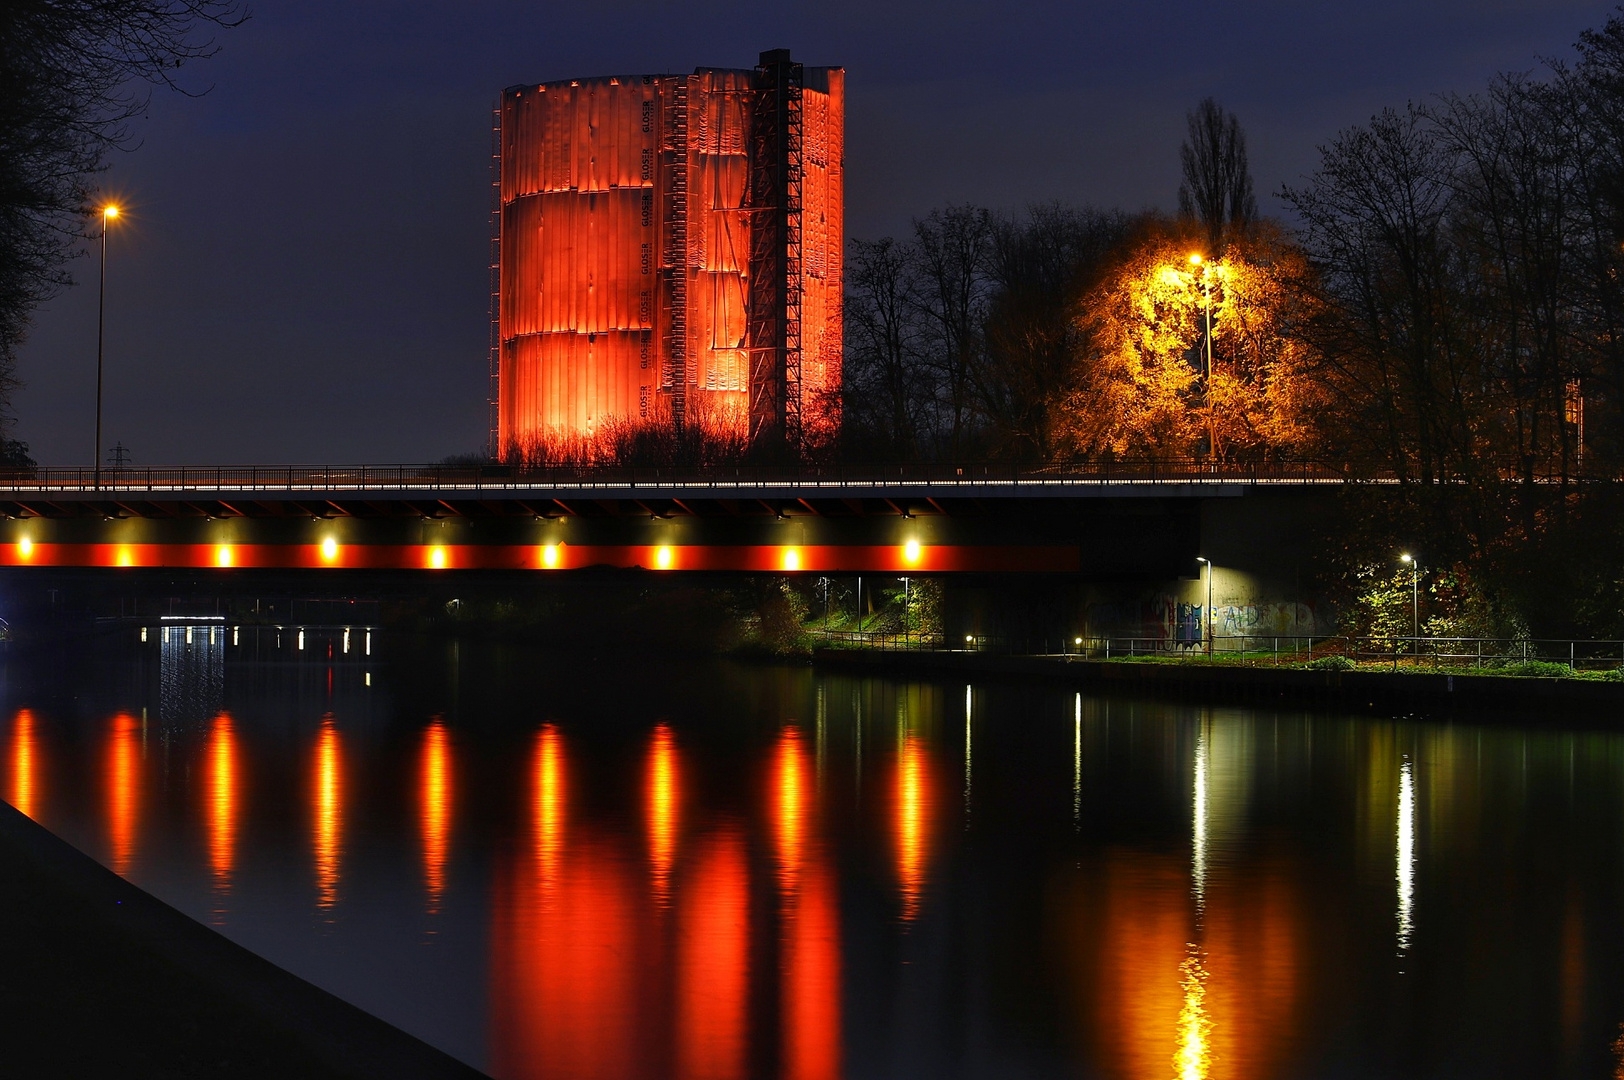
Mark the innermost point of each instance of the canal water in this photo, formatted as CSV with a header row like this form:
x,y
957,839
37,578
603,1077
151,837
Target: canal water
x,y
566,865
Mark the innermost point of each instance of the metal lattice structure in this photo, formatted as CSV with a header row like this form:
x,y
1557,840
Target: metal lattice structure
x,y
493,389
776,181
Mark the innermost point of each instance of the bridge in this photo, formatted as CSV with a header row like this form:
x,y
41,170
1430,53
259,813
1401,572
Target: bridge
x,y
1136,518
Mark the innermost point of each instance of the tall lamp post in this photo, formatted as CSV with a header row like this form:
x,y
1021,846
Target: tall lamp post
x,y
1415,601
1206,371
1207,620
109,212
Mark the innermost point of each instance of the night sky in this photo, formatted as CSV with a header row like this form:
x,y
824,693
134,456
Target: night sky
x,y
300,276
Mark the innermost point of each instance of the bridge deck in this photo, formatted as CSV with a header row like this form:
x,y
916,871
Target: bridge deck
x,y
61,492
1141,518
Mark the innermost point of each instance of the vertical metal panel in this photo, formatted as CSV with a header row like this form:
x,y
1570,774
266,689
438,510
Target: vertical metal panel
x,y
589,326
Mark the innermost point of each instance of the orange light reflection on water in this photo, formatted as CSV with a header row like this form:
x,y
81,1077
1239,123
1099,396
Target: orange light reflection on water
x,y
713,958
664,790
123,789
1214,1002
23,792
569,962
809,930
328,796
222,781
434,795
789,788
912,822
548,820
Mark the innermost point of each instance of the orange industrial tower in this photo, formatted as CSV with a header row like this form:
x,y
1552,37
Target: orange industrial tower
x,y
668,250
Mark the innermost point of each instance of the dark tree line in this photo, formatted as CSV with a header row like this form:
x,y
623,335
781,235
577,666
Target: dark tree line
x,y
961,339
1468,317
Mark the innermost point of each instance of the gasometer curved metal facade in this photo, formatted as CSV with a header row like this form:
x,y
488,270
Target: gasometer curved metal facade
x,y
669,251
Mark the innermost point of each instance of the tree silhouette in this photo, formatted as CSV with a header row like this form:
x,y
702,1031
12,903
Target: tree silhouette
x,y
1217,188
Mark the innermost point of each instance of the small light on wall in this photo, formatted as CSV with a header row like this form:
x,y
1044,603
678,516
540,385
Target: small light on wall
x,y
792,558
125,557
301,639
143,633
437,558
662,557
549,556
25,548
329,549
222,555
911,551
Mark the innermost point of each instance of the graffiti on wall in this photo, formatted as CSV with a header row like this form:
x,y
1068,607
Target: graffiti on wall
x,y
1262,620
1161,618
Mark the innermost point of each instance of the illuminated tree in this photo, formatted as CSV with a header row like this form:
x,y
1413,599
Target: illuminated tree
x,y
1140,390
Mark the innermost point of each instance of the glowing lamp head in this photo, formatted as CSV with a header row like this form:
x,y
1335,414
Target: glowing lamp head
x,y
25,548
222,555
549,556
911,551
329,549
662,557
792,558
437,558
1195,258
1405,558
1077,641
109,212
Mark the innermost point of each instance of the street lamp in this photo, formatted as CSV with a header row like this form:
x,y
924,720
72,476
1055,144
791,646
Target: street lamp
x,y
1206,373
1415,600
109,212
1207,629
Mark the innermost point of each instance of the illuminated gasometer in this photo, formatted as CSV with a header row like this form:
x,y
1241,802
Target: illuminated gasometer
x,y
670,252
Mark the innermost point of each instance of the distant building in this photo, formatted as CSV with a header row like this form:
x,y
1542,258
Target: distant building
x,y
669,250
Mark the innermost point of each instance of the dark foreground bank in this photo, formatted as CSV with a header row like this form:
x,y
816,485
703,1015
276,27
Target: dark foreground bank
x,y
1431,691
98,978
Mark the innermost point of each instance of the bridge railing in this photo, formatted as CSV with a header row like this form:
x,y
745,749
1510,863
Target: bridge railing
x,y
1396,652
477,478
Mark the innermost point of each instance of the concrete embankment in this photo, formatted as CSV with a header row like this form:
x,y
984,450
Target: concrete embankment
x,y
100,979
1432,691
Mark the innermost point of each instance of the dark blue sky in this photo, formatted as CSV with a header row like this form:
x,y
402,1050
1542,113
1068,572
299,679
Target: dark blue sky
x,y
301,274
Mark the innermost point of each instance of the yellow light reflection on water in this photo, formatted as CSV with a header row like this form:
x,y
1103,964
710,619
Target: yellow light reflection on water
x,y
328,795
434,797
123,789
1193,1059
969,703
1077,765
221,757
1198,825
1406,855
663,795
24,790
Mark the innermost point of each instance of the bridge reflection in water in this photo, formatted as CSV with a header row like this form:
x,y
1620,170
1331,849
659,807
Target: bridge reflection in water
x,y
790,885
